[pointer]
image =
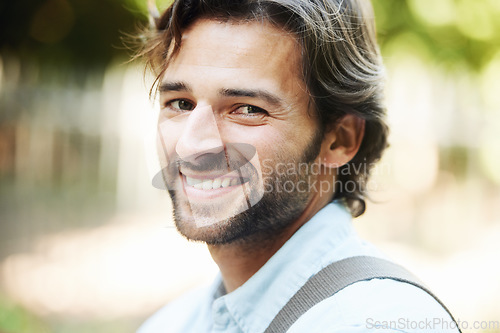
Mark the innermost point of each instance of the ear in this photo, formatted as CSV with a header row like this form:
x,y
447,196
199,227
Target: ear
x,y
342,141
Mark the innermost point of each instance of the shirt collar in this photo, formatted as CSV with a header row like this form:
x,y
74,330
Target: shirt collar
x,y
254,305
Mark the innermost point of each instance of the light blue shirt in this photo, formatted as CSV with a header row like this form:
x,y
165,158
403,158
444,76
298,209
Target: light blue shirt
x,y
329,236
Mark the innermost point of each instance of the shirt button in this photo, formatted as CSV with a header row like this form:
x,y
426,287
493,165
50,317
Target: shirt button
x,y
222,320
220,315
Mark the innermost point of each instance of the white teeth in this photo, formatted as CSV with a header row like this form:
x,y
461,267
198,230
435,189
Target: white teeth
x,y
217,183
211,184
226,182
207,184
193,181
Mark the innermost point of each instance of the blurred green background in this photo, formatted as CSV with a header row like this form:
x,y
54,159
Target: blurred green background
x,y
86,244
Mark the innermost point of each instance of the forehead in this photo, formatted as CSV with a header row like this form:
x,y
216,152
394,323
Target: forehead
x,y
244,40
252,50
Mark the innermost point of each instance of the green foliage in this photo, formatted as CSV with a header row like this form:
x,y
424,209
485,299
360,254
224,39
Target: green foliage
x,y
453,34
14,319
82,33
68,33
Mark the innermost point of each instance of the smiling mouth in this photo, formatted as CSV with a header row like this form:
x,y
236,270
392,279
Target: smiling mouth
x,y
214,183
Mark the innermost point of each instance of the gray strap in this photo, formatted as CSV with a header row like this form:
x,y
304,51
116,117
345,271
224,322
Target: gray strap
x,y
336,277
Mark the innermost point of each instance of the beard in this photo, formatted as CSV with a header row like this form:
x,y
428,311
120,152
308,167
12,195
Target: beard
x,y
258,218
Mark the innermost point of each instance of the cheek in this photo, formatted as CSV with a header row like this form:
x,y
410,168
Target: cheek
x,y
265,138
168,133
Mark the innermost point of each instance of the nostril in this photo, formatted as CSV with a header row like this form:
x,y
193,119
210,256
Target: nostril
x,y
213,156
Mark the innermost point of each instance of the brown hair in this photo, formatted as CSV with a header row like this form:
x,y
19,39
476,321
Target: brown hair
x,y
342,66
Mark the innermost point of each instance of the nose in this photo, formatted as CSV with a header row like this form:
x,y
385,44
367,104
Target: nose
x,y
200,135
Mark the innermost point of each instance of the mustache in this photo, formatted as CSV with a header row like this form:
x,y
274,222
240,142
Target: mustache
x,y
231,157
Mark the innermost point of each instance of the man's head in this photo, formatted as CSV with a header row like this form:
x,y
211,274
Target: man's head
x,y
299,82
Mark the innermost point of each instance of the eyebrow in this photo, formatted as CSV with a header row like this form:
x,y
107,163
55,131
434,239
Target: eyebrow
x,y
174,86
257,93
225,92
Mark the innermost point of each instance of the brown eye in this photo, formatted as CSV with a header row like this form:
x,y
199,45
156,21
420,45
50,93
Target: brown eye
x,y
182,104
250,109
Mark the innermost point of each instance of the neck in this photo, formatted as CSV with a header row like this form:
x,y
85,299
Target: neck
x,y
239,261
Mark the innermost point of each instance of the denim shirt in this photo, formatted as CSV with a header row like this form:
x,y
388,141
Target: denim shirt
x,y
379,305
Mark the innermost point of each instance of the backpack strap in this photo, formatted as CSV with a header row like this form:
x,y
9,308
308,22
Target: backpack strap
x,y
336,277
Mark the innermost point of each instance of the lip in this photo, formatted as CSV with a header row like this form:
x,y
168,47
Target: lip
x,y
201,194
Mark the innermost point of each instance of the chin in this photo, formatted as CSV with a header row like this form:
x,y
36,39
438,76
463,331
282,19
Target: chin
x,y
208,227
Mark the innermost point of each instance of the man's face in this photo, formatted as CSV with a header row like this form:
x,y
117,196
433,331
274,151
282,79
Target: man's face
x,y
233,106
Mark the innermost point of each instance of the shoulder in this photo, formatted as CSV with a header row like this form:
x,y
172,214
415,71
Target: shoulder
x,y
368,306
189,309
